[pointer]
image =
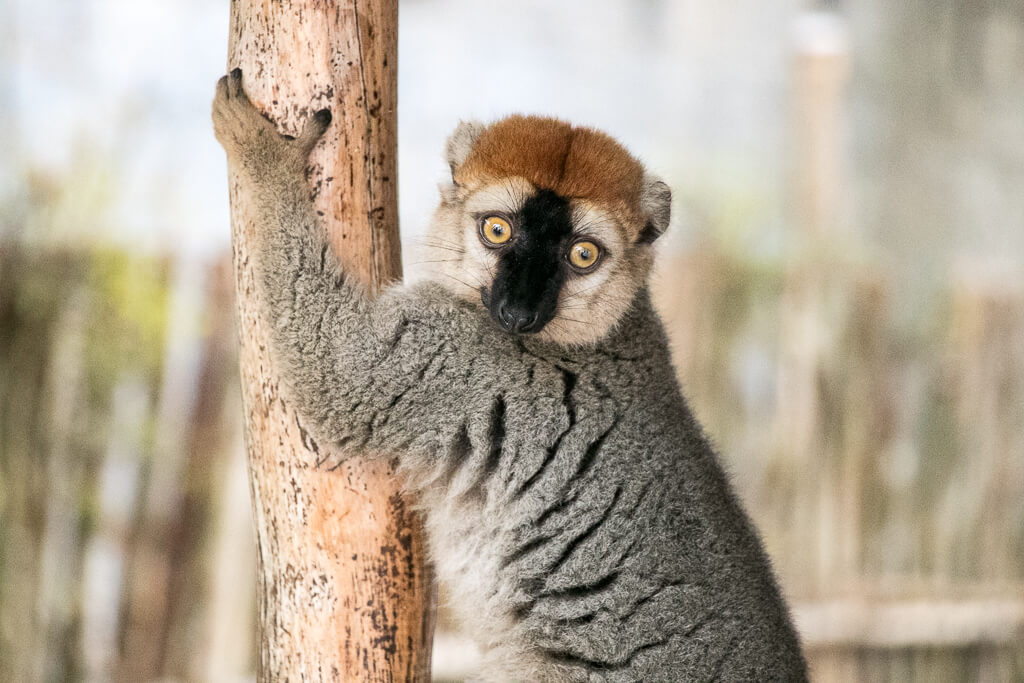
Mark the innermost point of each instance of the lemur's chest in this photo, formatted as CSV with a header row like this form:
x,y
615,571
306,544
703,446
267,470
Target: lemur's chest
x,y
516,455
465,545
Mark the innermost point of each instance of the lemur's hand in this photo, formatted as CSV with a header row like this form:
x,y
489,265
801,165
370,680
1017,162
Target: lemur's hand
x,y
251,140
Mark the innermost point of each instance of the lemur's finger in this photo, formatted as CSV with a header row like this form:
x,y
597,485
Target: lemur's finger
x,y
235,83
222,87
314,128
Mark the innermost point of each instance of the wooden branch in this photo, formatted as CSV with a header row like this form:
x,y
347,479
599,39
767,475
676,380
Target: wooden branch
x,y
344,593
939,622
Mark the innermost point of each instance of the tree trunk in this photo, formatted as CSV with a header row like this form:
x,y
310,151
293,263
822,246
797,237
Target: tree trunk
x,y
344,594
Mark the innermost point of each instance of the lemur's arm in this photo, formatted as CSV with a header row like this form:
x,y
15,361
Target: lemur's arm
x,y
349,360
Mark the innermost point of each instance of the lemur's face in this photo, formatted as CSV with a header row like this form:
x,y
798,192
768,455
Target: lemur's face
x,y
546,226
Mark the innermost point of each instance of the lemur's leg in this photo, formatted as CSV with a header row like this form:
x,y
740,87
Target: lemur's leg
x,y
349,360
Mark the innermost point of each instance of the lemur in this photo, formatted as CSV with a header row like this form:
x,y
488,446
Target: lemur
x,y
574,509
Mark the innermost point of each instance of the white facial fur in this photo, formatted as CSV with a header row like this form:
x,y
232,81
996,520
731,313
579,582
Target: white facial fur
x,y
589,305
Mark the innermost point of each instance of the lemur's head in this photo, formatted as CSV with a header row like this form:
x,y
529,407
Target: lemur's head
x,y
548,225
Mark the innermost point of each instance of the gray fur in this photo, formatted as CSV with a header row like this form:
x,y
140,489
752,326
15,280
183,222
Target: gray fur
x,y
574,508
657,200
460,143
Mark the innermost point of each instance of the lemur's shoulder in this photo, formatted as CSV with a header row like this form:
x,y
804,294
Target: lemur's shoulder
x,y
433,313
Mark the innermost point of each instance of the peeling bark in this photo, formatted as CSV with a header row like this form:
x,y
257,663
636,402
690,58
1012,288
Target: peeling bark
x,y
344,591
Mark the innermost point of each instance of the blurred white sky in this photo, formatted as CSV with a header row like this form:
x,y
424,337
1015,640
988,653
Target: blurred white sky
x,y
123,87
115,95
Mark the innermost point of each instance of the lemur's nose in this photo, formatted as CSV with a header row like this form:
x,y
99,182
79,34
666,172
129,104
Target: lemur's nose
x,y
515,319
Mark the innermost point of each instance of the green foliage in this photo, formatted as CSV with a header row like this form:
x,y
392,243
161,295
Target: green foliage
x,y
128,298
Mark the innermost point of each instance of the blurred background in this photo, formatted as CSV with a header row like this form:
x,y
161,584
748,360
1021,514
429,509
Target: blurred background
x,y
843,284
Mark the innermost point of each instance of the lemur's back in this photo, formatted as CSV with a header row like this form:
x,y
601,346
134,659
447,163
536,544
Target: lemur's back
x,y
584,526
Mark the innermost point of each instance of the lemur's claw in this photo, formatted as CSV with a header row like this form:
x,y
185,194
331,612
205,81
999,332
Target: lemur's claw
x,y
314,129
235,82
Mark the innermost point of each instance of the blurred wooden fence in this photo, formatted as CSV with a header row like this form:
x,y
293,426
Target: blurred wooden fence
x,y
124,526
883,462
884,465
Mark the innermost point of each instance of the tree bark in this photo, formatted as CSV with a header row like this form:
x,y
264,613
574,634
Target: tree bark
x,y
344,594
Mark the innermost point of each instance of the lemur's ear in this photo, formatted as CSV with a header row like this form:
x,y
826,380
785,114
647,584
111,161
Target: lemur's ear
x,y
657,205
460,143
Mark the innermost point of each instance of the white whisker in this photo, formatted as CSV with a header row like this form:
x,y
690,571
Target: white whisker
x,y
441,260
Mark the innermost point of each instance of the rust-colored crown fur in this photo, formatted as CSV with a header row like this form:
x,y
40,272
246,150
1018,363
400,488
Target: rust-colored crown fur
x,y
576,162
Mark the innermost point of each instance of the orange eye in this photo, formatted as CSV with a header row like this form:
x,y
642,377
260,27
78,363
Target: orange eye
x,y
584,255
495,230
